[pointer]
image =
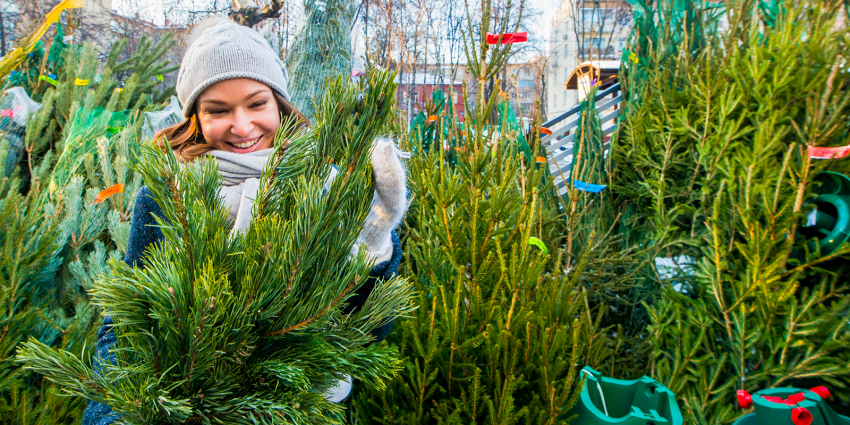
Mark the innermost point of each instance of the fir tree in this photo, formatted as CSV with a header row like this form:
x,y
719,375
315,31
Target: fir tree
x,y
58,237
503,325
232,328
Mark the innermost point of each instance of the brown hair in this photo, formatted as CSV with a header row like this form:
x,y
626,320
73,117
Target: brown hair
x,y
187,141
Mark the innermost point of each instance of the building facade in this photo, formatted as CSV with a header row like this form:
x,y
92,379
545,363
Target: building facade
x,y
415,92
582,31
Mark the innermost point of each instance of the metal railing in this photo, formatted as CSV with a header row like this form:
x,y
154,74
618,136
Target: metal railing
x,y
565,125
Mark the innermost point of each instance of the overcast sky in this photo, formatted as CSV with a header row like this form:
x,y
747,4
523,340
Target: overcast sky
x,y
548,7
541,30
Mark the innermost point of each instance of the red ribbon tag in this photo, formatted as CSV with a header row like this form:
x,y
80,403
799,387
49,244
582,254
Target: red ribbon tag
x,y
511,37
7,113
102,196
828,153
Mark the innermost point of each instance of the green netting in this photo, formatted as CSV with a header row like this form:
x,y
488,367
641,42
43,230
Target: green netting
x,y
320,51
510,123
80,141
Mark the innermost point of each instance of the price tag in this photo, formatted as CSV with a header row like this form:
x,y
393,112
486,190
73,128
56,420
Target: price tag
x,y
812,218
588,187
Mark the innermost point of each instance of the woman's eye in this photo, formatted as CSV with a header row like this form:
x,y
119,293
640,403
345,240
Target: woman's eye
x,y
259,104
216,111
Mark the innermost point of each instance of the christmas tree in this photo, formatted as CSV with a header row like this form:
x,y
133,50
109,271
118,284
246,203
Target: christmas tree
x,y
714,170
232,328
65,171
321,51
505,320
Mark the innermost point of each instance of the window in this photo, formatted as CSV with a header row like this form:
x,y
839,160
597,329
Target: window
x,y
596,18
526,83
621,44
565,98
595,42
556,99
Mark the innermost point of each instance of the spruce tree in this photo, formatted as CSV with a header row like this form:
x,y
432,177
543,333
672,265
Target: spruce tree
x,y
712,165
232,328
56,241
58,234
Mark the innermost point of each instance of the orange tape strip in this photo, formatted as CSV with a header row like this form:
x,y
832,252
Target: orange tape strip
x,y
102,196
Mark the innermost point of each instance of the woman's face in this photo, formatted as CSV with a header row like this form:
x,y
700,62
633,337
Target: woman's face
x,y
238,115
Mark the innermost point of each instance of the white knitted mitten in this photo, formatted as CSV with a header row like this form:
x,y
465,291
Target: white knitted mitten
x,y
388,204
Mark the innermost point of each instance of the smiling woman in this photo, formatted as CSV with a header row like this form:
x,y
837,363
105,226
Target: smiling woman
x,y
240,115
233,88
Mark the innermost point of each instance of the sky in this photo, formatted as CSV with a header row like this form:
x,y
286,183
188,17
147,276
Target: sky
x,y
540,32
548,7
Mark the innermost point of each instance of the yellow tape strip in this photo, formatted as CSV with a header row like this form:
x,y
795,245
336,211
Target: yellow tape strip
x,y
48,79
14,58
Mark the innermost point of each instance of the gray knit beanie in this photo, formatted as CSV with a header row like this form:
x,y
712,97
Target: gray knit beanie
x,y
220,49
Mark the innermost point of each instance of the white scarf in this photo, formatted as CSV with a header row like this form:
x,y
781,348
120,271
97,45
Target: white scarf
x,y
241,174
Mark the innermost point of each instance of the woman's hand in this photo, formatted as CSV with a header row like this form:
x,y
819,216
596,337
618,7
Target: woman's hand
x,y
389,203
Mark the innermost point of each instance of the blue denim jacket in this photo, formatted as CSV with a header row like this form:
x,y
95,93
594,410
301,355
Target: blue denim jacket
x,y
143,233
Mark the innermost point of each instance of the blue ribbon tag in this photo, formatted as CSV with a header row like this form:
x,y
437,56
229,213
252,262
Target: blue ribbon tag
x,y
587,187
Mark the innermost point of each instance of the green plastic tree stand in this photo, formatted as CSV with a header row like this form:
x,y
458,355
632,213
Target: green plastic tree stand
x,y
830,221
789,406
614,401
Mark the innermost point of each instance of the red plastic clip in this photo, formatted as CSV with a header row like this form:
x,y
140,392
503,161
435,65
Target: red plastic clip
x,y
773,399
795,398
745,400
801,416
822,391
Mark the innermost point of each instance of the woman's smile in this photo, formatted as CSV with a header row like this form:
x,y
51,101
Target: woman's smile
x,y
245,146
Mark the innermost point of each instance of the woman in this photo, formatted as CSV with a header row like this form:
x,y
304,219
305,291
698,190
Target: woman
x,y
233,88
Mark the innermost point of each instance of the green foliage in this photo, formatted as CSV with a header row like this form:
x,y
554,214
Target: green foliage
x,y
711,164
57,238
502,329
249,328
116,88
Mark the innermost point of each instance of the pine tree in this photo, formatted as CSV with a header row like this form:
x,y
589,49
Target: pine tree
x,y
712,164
234,328
80,80
321,51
